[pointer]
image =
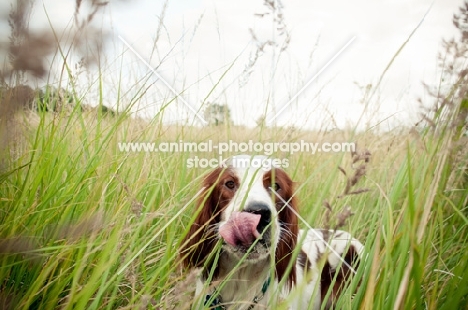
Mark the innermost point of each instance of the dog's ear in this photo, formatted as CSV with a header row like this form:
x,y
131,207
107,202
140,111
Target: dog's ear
x,y
290,229
201,238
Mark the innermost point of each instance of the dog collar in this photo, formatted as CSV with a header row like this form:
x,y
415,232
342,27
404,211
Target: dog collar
x,y
216,303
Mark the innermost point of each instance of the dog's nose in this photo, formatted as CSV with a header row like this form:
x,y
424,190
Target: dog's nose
x,y
265,214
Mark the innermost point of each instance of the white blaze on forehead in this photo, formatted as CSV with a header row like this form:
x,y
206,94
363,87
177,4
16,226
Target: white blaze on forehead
x,y
250,171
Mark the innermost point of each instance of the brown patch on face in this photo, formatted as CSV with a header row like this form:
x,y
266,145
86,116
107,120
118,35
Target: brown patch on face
x,y
281,183
219,189
342,275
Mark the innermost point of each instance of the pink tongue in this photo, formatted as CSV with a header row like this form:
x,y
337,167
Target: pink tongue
x,y
241,228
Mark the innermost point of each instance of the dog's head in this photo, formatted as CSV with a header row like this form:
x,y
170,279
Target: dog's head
x,y
248,205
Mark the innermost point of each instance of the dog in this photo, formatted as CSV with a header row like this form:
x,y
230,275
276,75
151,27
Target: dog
x,y
247,242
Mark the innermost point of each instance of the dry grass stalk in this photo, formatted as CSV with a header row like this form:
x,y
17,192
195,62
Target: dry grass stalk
x,y
18,245
182,294
449,111
363,158
28,50
342,217
86,227
136,206
95,6
281,41
15,120
359,172
328,213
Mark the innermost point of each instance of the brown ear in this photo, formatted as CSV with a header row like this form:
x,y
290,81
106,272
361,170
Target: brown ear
x,y
201,238
289,226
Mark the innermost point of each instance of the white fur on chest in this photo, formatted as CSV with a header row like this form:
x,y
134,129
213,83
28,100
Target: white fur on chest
x,y
244,282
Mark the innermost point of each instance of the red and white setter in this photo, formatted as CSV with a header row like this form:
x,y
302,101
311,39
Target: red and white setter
x,y
247,241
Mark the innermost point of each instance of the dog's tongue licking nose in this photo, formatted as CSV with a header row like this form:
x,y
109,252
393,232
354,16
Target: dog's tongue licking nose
x,y
241,229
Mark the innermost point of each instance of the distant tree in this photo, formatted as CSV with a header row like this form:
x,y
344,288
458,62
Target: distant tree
x,y
105,110
52,99
217,114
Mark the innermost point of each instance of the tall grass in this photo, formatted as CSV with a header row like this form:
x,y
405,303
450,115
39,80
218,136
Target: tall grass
x,y
86,226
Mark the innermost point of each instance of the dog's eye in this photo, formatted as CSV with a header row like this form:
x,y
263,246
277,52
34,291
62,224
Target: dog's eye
x,y
275,187
230,184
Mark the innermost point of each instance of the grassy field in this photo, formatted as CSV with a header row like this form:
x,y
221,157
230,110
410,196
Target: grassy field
x,y
86,226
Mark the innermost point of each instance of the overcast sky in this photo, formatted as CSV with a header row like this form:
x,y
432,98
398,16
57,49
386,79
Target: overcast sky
x,y
206,49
